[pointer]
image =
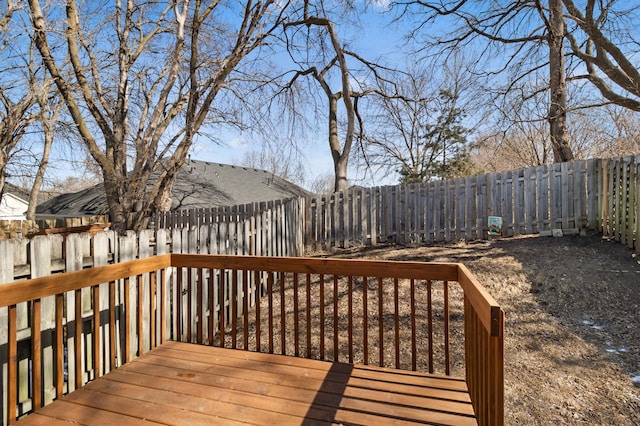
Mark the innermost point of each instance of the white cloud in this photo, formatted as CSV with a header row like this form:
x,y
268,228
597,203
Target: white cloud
x,y
381,4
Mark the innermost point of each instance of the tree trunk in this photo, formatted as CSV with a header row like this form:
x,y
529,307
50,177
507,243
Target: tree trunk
x,y
341,175
340,157
48,135
558,86
37,181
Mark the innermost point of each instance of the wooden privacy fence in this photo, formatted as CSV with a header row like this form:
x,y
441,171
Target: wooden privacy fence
x,y
273,231
266,228
619,213
537,200
273,228
410,315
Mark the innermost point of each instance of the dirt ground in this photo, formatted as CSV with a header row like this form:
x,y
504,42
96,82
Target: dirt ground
x,y
572,307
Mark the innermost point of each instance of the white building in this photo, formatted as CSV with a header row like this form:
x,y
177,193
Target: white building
x,y
12,207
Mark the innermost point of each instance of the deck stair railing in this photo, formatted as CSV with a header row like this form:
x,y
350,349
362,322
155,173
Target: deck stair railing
x,y
432,317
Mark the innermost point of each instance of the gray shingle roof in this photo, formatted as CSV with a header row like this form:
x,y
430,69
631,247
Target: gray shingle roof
x,y
199,184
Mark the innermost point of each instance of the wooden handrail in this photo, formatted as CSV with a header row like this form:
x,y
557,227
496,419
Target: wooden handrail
x,y
37,288
303,265
483,303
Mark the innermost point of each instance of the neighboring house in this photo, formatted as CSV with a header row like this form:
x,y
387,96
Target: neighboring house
x,y
14,203
198,184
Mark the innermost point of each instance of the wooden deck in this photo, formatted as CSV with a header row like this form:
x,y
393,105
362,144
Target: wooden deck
x,y
183,383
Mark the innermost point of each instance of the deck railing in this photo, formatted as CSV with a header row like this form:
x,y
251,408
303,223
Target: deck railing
x,y
433,317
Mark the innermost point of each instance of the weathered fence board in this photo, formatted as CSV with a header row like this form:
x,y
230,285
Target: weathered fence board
x,y
619,199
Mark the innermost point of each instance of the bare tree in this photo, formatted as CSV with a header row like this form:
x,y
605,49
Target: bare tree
x,y
340,73
16,98
558,131
519,141
517,31
322,184
279,163
49,108
15,118
603,34
611,131
142,80
423,133
340,150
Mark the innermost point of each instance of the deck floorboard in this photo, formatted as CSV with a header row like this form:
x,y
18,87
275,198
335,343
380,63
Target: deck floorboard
x,y
181,383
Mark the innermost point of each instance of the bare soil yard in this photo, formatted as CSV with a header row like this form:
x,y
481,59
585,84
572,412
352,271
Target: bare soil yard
x,y
572,307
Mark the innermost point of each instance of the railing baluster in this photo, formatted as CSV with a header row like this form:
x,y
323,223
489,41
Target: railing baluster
x,y
139,313
430,323
308,312
335,319
468,344
496,370
127,320
222,304
321,307
12,368
152,310
211,298
234,308
189,303
283,317
179,307
78,338
59,360
365,320
481,378
296,338
199,305
95,340
447,356
412,296
350,314
112,325
245,309
380,324
270,307
396,320
257,284
163,305
36,355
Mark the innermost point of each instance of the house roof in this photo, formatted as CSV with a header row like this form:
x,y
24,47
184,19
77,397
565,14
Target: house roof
x,y
198,184
16,191
25,193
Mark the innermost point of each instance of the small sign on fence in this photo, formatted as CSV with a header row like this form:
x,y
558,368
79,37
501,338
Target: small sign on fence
x,y
495,225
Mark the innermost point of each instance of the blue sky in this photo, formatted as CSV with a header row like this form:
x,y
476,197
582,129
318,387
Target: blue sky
x,y
374,39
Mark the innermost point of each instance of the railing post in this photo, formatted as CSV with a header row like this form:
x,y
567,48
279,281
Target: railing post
x,y
496,367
